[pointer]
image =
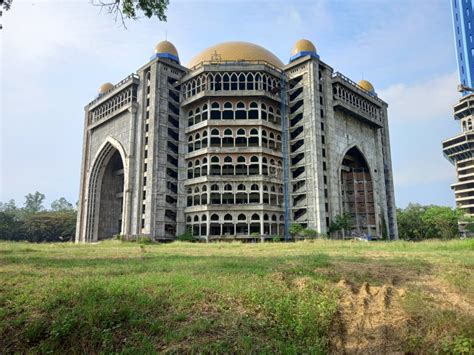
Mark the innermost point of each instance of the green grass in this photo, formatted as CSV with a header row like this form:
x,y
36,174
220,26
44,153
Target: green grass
x,y
181,297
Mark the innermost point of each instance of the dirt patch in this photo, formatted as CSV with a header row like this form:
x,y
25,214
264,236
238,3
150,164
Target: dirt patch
x,y
446,297
392,274
370,320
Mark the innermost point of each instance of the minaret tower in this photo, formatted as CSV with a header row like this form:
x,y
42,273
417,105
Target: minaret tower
x,y
459,149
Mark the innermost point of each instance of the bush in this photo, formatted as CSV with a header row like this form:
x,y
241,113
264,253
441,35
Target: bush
x,y
186,236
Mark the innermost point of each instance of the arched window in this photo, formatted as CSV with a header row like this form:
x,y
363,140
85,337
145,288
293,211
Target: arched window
x,y
258,82
264,139
250,81
234,82
227,217
215,138
215,166
226,82
204,139
253,139
197,115
242,217
218,82
215,111
204,170
214,217
271,141
205,112
240,113
228,139
190,170
253,112
190,118
190,143
255,217
254,167
242,81
263,111
241,139
197,169
264,166
228,168
197,141
228,113
271,115
241,167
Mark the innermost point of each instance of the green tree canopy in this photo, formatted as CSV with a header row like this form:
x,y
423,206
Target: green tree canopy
x,y
34,202
61,204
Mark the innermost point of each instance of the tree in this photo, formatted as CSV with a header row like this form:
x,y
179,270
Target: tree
x,y
133,9
442,222
411,225
6,4
296,230
50,226
123,9
9,207
417,222
61,204
341,222
34,202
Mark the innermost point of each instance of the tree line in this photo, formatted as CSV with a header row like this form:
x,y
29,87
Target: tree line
x,y
34,223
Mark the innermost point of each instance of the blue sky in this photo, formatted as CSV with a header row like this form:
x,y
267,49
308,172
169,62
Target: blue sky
x,y
55,54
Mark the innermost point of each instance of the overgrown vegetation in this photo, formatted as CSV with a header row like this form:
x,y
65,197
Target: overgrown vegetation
x,y
34,223
222,297
417,222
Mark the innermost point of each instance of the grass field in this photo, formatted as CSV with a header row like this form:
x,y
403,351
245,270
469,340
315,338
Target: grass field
x,y
319,297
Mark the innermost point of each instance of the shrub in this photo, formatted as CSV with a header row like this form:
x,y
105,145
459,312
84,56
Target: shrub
x,y
186,236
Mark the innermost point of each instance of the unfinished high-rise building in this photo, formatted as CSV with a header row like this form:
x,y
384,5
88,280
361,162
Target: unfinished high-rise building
x,y
459,150
235,145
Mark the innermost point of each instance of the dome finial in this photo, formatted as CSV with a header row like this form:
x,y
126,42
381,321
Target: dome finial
x,y
367,86
166,49
302,48
105,88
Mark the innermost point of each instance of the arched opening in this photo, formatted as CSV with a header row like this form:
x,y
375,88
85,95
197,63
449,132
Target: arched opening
x,y
357,193
105,195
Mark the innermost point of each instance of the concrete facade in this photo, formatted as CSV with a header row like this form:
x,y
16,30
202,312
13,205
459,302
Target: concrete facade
x,y
235,147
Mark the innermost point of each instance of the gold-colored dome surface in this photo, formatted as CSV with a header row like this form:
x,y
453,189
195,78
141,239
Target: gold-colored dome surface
x,y
105,87
367,86
166,47
303,45
236,51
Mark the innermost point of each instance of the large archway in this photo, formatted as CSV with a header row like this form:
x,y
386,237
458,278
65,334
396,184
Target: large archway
x,y
111,198
106,195
357,194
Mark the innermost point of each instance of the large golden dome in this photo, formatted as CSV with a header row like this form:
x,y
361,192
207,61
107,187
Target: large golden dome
x,y
367,86
236,51
105,87
303,45
166,47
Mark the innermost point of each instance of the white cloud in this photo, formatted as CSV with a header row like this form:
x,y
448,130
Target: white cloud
x,y
424,101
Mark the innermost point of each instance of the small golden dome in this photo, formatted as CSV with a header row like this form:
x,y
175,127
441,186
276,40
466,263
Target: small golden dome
x,y
105,87
236,51
166,47
367,86
303,45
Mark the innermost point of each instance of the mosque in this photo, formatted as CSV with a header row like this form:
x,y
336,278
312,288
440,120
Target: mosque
x,y
235,145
